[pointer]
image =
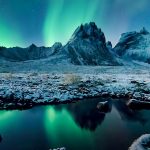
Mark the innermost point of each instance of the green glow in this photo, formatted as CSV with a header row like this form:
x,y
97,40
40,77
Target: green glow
x,y
9,37
51,113
64,16
6,117
60,128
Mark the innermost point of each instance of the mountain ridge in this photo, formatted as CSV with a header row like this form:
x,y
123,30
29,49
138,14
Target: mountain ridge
x,y
87,46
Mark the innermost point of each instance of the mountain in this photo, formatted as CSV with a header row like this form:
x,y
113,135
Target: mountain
x,y
134,46
30,53
87,46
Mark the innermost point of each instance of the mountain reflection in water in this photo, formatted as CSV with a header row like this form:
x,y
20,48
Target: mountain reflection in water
x,y
78,125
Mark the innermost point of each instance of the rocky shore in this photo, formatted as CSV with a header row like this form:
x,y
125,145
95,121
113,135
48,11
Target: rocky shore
x,y
25,90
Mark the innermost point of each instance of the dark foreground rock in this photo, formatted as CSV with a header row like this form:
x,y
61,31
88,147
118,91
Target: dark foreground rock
x,y
137,104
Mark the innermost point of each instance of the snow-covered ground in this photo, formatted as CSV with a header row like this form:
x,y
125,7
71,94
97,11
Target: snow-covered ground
x,y
25,88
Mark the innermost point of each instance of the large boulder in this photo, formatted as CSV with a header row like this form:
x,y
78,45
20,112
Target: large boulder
x,y
138,104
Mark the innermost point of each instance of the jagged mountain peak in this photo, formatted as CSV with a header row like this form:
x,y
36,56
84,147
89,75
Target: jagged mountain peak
x,y
57,45
88,47
144,31
89,31
32,46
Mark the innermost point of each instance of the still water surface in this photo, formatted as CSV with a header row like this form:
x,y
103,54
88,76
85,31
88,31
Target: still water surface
x,y
76,126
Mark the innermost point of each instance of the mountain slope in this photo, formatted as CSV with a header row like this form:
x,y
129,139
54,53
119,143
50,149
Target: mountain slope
x,y
134,46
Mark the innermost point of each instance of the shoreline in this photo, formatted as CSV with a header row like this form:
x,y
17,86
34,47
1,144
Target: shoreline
x,y
26,90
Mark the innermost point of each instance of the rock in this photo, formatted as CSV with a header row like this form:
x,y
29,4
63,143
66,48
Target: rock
x,y
104,106
10,106
104,94
137,95
134,82
141,143
19,104
138,104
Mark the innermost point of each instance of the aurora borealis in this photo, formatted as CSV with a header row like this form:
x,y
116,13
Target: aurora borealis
x,y
44,22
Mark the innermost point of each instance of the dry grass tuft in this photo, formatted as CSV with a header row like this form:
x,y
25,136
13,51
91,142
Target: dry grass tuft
x,y
71,79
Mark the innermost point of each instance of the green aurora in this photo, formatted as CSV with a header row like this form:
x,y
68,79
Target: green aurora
x,y
8,34
48,21
61,22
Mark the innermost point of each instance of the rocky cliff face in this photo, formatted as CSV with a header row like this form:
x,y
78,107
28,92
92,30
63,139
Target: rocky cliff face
x,y
134,46
87,46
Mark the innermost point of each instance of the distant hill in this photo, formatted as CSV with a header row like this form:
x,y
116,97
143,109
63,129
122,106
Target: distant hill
x,y
134,46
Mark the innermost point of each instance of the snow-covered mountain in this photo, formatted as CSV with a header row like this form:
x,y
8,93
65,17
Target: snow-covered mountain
x,y
134,46
87,46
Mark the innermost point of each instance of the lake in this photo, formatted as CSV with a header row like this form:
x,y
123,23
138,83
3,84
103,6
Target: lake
x,y
76,126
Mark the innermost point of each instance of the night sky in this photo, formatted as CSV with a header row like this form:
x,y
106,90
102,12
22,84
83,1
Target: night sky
x,y
44,22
